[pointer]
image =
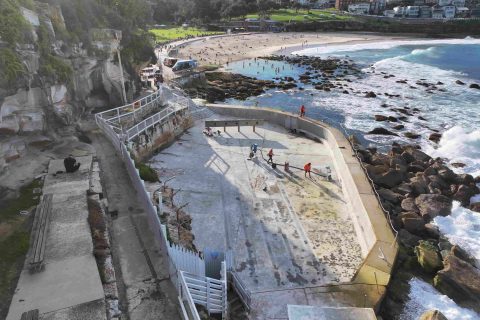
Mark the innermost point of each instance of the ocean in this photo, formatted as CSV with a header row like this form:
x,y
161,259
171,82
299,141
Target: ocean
x,y
455,113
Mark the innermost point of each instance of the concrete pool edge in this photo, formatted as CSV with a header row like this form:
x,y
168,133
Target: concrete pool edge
x,y
377,240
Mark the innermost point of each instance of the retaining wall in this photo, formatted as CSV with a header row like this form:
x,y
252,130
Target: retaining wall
x,y
376,238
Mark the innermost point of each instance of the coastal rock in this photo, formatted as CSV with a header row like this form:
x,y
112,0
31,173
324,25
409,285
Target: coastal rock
x,y
382,131
389,179
399,127
390,196
435,137
370,94
407,239
408,204
432,315
475,206
412,135
412,222
460,82
464,193
475,86
432,205
460,281
432,230
379,117
428,256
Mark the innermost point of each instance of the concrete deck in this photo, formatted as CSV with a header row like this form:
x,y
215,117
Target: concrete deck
x,y
316,313
70,285
296,234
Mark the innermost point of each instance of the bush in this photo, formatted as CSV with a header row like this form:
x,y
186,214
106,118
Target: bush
x,y
146,172
11,67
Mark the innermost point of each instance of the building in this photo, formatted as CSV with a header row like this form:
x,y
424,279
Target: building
x,y
389,13
399,11
437,12
444,2
342,5
462,12
458,3
425,12
449,12
430,2
412,11
418,2
377,6
475,13
359,8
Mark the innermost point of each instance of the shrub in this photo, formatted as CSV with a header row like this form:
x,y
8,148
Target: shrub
x,y
146,172
10,65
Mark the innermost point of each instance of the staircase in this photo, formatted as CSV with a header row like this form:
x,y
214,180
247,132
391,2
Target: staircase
x,y
201,113
236,308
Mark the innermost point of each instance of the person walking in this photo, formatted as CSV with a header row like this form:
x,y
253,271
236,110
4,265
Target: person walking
x,y
270,156
302,111
307,168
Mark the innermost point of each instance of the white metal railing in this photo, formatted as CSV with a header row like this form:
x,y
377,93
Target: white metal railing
x,y
205,291
187,297
149,122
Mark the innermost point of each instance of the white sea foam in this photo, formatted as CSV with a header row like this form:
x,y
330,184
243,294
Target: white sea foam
x,y
459,145
423,297
328,49
462,227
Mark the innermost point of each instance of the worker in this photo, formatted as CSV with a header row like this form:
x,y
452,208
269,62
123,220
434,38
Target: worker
x,y
254,148
270,156
71,164
302,111
307,168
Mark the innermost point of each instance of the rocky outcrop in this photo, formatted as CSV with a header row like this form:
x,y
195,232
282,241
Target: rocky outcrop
x,y
428,256
432,205
432,315
460,281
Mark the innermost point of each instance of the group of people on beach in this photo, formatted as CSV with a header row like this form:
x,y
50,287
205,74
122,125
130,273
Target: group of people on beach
x,y
307,168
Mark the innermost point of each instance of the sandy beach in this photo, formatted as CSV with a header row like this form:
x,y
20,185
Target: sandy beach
x,y
220,50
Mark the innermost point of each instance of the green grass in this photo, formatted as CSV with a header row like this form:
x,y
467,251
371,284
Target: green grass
x,y
168,34
12,253
287,15
14,240
26,200
146,172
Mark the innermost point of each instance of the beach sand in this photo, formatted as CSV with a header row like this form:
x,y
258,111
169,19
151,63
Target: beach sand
x,y
220,50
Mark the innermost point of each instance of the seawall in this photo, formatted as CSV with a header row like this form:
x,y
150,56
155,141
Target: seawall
x,y
377,239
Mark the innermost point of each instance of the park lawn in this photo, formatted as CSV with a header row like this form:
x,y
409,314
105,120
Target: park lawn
x,y
169,34
287,15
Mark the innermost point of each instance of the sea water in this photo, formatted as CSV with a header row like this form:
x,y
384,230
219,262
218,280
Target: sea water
x,y
455,113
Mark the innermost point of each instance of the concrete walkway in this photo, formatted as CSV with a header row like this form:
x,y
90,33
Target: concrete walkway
x,y
70,286
142,272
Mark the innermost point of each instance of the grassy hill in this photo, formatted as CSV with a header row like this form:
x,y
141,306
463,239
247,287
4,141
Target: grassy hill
x,y
168,34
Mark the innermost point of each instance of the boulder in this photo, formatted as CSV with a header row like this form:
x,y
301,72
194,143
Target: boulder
x,y
437,182
460,281
399,127
432,230
408,204
380,159
475,86
464,179
460,82
379,117
432,315
435,137
419,183
389,179
407,239
417,154
370,94
432,205
382,131
464,193
428,256
475,206
412,222
389,195
411,135
447,174
462,254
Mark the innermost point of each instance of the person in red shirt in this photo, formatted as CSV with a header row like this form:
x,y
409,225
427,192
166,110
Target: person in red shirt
x,y
270,156
302,111
307,168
